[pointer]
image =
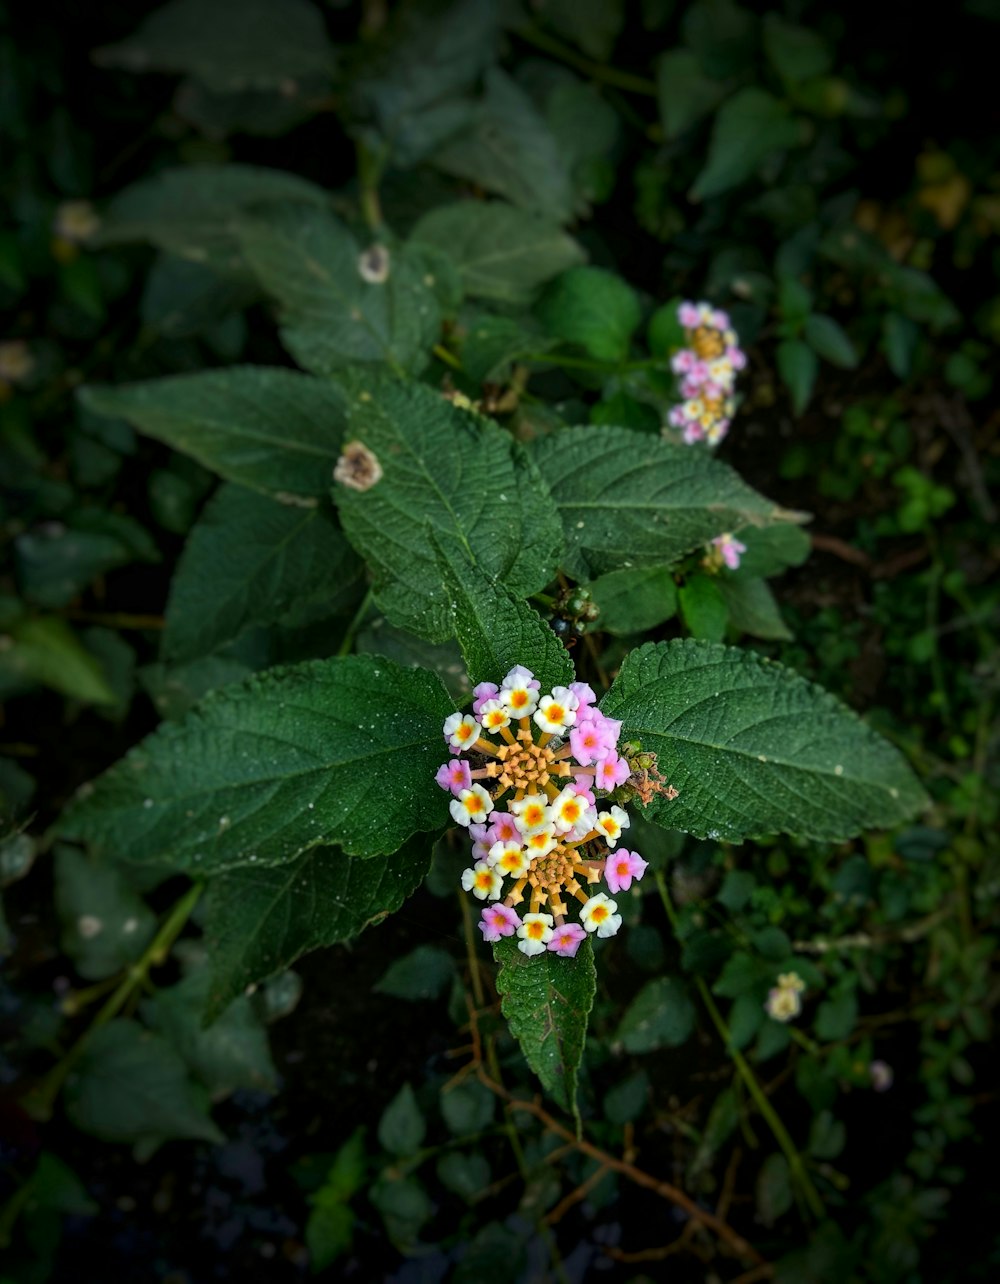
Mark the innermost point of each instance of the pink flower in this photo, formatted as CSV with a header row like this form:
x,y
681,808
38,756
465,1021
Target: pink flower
x,y
455,775
681,362
622,867
483,692
612,771
584,694
497,921
566,940
478,832
503,829
587,743
689,315
731,549
693,432
584,786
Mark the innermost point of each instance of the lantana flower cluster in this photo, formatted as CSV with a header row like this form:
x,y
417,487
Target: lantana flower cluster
x,y
784,1000
707,367
526,773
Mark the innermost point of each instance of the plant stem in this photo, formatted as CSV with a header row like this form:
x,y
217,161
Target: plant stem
x,y
771,1117
40,1102
533,35
449,358
470,952
355,624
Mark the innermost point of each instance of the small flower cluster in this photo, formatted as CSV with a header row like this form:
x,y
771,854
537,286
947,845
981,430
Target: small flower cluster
x,y
784,1000
708,368
550,757
724,550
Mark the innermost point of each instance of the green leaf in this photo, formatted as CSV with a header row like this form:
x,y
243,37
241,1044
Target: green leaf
x,y
184,298
332,316
330,1229
772,549
722,35
748,129
497,630
633,601
754,749
660,1016
276,431
899,341
105,924
703,607
250,561
492,344
229,1054
502,253
547,1002
424,973
229,44
629,500
794,300
453,475
328,751
593,308
752,607
467,1107
828,338
130,1085
47,651
774,1189
464,1175
509,149
592,25
413,74
191,212
260,919
797,366
837,1016
684,92
401,1129
796,53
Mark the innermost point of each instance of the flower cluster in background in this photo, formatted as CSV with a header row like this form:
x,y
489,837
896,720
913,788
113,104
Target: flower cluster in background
x,y
725,550
784,1000
549,759
707,368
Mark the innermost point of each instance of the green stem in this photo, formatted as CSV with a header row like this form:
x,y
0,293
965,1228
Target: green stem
x,y
533,35
600,367
449,358
355,624
40,1102
770,1115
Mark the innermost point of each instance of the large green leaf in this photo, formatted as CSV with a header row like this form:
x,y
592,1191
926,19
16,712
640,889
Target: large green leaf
x,y
332,315
748,128
130,1085
593,308
228,44
231,1053
752,607
502,253
684,92
450,473
259,920
497,630
46,650
328,751
251,561
413,76
509,149
190,212
105,923
627,499
754,749
547,1002
276,431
